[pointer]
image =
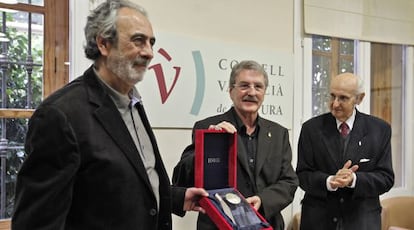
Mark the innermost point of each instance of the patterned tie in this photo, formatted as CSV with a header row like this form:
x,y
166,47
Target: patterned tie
x,y
344,128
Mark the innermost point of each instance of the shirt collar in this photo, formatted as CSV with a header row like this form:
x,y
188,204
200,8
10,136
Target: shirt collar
x,y
135,97
121,101
350,121
239,124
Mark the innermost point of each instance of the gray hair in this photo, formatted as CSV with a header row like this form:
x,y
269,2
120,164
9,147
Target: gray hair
x,y
247,65
102,22
360,85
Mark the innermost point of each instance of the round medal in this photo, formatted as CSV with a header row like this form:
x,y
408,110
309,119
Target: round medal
x,y
232,198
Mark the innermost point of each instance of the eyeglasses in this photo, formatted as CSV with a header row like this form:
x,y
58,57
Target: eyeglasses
x,y
258,87
340,98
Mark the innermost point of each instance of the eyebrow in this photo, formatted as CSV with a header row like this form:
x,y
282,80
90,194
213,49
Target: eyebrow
x,y
254,83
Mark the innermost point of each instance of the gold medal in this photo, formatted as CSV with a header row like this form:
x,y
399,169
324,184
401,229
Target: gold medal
x,y
232,198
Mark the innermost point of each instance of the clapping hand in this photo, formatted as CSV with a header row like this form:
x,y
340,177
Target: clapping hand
x,y
344,177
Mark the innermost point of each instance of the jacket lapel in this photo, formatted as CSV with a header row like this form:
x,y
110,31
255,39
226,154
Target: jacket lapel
x,y
357,134
330,137
110,119
159,166
263,146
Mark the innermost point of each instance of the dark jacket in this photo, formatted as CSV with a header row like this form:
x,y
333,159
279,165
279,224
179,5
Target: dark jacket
x,y
274,179
319,156
83,170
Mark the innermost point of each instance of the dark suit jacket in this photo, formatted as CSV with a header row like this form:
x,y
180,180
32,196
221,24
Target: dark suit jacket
x,y
83,170
319,156
276,182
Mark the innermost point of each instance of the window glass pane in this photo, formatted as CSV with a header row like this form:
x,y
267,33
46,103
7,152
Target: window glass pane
x,y
346,65
33,2
21,80
387,76
11,157
21,59
320,43
346,56
330,56
320,83
346,47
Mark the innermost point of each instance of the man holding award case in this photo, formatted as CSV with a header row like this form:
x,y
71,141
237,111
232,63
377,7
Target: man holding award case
x,y
258,164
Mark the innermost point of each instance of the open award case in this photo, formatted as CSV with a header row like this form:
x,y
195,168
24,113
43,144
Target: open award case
x,y
215,171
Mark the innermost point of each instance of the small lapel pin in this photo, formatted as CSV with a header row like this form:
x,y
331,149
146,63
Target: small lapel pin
x,y
359,143
269,134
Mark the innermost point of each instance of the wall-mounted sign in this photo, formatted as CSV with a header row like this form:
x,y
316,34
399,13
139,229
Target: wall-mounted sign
x,y
188,80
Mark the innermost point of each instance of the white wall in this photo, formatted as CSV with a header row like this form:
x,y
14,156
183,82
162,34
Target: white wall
x,y
265,23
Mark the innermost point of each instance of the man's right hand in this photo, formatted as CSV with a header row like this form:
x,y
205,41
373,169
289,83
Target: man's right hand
x,y
224,125
344,176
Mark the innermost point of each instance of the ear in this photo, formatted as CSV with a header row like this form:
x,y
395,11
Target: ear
x,y
231,93
359,98
103,45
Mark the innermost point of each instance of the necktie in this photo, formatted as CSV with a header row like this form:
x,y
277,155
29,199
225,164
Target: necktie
x,y
344,129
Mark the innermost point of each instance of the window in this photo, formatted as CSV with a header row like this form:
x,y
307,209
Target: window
x,y
33,49
387,84
330,56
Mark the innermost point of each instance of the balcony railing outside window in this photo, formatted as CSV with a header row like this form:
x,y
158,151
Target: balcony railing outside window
x,y
21,77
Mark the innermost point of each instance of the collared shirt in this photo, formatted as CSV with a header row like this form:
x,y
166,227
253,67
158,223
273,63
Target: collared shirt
x,y
129,113
350,121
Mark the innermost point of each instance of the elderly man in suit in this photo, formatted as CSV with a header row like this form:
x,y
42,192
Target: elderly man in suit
x,y
264,171
93,161
344,163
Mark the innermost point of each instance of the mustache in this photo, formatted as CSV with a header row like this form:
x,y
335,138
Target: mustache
x,y
250,98
141,61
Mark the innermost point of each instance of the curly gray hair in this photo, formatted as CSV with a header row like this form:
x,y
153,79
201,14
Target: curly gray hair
x,y
102,22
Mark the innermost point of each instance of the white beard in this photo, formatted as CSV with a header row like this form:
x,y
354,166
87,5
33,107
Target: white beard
x,y
124,69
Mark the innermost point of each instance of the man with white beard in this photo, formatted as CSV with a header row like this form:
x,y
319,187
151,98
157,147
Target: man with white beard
x,y
93,161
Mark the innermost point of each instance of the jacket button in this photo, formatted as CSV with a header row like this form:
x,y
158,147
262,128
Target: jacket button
x,y
341,200
335,219
153,212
